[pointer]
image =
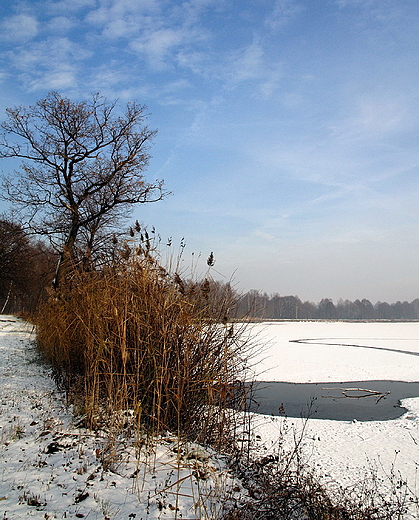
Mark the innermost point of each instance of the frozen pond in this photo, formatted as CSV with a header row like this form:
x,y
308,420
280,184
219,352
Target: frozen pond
x,y
318,352
344,370
379,357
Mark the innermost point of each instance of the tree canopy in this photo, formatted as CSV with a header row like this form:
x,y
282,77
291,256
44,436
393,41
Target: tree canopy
x,y
82,168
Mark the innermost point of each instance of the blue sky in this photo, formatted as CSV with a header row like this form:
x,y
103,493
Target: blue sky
x,y
288,130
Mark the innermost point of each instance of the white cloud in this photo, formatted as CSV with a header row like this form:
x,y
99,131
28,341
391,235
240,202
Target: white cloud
x,y
160,47
61,24
50,52
271,83
283,13
50,64
19,28
384,21
58,79
190,11
108,76
119,25
198,62
176,86
62,7
376,117
250,64
4,75
158,43
162,34
245,64
125,18
342,4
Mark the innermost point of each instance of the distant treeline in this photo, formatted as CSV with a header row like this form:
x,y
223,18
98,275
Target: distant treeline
x,y
27,269
264,306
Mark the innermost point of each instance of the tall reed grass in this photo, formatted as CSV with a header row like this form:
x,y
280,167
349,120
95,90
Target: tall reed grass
x,y
136,337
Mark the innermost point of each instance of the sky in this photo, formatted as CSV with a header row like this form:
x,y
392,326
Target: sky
x,y
288,130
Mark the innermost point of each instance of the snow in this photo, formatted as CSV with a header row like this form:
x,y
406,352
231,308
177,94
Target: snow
x,y
325,358
50,467
346,452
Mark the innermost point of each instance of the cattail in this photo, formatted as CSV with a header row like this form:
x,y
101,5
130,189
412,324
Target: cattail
x,y
126,252
205,288
178,280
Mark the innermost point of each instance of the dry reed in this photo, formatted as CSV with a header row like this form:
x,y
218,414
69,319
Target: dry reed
x,y
136,337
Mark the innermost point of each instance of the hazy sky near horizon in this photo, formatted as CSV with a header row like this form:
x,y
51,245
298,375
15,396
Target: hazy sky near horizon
x,y
288,130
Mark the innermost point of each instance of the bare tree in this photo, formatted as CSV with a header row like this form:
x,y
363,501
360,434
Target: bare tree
x,y
82,167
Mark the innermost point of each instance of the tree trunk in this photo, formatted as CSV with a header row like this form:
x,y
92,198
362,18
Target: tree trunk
x,y
66,257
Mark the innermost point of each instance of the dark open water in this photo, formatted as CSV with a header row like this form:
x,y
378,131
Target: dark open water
x,y
360,400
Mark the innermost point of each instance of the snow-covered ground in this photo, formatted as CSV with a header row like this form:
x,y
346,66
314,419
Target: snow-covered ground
x,y
50,468
344,452
325,358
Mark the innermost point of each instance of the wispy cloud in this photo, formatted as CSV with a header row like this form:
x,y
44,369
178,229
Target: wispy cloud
x,y
159,46
162,35
19,28
283,124
283,13
66,7
376,117
251,65
248,63
125,19
49,64
392,23
61,24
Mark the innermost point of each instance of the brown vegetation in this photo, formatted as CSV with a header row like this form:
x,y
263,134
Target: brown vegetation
x,y
136,337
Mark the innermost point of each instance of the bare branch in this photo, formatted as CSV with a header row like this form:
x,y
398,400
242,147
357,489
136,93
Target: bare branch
x,y
83,164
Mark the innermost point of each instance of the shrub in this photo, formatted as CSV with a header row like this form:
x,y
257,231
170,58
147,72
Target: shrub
x,y
136,337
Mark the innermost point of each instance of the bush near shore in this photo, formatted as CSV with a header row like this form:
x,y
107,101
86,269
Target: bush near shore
x,y
136,337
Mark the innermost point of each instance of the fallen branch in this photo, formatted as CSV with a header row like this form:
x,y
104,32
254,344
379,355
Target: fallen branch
x,y
367,393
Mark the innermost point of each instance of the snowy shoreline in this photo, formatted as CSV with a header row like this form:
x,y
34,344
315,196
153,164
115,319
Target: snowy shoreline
x,y
51,468
346,451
